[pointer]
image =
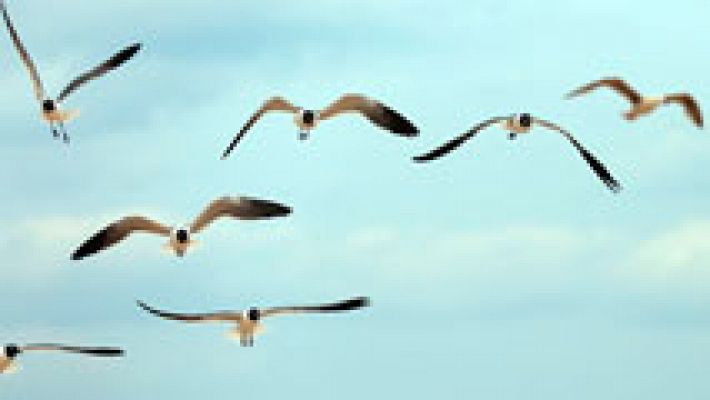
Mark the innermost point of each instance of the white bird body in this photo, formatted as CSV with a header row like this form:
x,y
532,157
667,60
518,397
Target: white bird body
x,y
6,365
59,116
645,107
513,125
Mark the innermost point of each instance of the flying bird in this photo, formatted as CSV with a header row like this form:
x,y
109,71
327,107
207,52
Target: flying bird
x,y
248,322
306,120
49,107
642,105
180,238
12,351
518,124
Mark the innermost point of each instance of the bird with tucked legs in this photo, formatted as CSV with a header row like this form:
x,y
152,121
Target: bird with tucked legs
x,y
519,124
643,105
306,120
180,238
248,323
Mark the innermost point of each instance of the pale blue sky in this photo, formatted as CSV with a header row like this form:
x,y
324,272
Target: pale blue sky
x,y
505,271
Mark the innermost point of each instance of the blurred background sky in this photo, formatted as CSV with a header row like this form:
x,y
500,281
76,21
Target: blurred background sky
x,y
504,271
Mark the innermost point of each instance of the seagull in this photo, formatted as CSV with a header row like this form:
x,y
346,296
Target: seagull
x,y
518,124
641,105
244,208
11,351
248,322
51,112
306,120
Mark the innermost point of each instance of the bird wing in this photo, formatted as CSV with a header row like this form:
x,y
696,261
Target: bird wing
x,y
617,84
273,104
92,351
341,306
378,113
692,109
24,55
219,316
596,165
112,63
238,207
458,141
118,231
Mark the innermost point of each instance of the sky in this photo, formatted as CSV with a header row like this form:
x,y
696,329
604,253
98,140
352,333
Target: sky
x,y
503,271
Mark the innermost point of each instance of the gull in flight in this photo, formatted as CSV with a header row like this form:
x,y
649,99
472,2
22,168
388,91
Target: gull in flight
x,y
518,124
248,322
641,105
51,112
180,238
11,352
306,120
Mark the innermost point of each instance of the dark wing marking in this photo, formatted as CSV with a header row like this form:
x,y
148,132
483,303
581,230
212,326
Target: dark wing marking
x,y
617,84
596,165
24,55
114,62
341,306
116,232
377,112
92,351
692,109
458,141
220,316
238,207
273,104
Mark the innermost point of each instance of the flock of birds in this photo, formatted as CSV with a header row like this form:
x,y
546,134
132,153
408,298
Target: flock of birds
x,y
180,238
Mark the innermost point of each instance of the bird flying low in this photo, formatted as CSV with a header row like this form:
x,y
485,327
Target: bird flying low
x,y
518,124
641,105
243,208
49,107
248,322
12,351
306,120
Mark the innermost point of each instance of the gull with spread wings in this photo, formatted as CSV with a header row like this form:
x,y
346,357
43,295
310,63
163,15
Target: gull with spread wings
x,y
10,352
642,105
51,112
180,238
248,322
306,120
518,124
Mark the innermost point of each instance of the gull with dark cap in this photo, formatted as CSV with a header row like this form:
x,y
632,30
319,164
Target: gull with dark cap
x,y
51,112
519,124
248,322
307,120
12,351
180,238
642,105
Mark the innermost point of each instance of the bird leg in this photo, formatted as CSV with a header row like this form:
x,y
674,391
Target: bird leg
x,y
55,132
512,136
303,135
65,135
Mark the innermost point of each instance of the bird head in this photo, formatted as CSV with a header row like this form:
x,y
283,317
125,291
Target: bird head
x,y
524,120
253,314
49,105
11,351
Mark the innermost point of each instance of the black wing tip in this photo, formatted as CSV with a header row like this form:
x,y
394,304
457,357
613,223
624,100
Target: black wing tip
x,y
270,209
106,352
395,122
423,158
92,246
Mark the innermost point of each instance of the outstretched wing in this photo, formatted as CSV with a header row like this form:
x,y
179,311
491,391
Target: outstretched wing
x,y
112,63
378,113
341,306
220,316
596,165
458,141
692,109
118,231
238,207
91,351
273,104
24,55
617,84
